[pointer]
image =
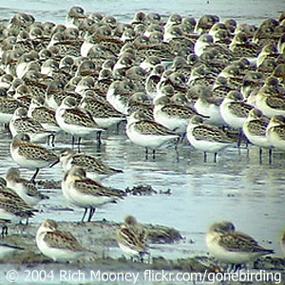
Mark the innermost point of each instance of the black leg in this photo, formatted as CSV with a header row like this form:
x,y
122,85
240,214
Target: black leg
x,y
52,139
4,231
85,212
146,153
260,155
205,156
73,142
91,213
118,128
153,154
79,141
35,175
240,137
99,138
270,155
215,157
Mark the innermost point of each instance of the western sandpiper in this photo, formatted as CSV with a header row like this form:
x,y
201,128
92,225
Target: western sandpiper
x,y
58,245
254,128
74,120
233,247
86,193
207,138
21,123
131,238
30,155
275,132
24,188
149,134
92,165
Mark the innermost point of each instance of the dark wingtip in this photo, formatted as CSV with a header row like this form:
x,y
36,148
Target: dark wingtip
x,y
54,163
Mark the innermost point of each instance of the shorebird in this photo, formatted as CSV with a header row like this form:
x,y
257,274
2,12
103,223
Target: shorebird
x,y
275,132
149,134
58,245
103,113
12,207
131,238
207,138
21,123
86,193
172,116
270,98
30,155
233,247
8,106
24,188
92,165
75,121
254,128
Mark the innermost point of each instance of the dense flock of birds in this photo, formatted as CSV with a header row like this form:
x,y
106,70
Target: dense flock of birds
x,y
218,83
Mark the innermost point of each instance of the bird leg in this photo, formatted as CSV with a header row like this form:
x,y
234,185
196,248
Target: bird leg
x,y
91,213
73,142
270,155
146,153
260,155
153,154
4,231
205,156
85,212
78,146
99,133
34,176
215,157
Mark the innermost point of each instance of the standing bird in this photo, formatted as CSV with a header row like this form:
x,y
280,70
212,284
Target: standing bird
x,y
86,193
254,128
92,165
24,188
207,138
30,155
75,121
233,247
149,134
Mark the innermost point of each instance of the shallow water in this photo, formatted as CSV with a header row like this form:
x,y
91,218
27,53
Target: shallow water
x,y
236,188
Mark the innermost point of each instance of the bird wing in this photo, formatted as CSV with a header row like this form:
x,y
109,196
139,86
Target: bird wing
x,y
276,102
240,109
62,240
179,111
129,238
35,152
77,117
152,128
44,115
238,241
280,130
90,163
212,134
91,187
257,127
